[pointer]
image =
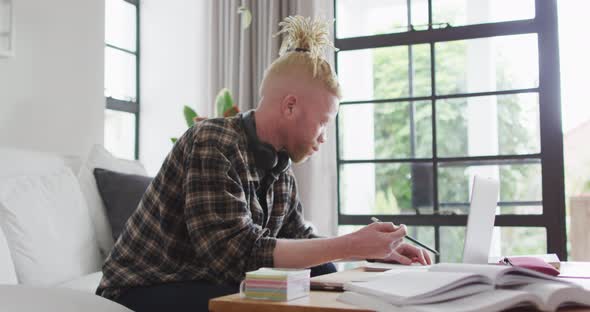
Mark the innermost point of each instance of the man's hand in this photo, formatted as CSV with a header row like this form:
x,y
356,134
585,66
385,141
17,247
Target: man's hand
x,y
379,240
375,241
407,254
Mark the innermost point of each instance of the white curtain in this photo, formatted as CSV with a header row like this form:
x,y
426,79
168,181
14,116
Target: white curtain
x,y
238,58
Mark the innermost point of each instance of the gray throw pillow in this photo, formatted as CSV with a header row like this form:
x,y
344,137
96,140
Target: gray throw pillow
x,y
121,194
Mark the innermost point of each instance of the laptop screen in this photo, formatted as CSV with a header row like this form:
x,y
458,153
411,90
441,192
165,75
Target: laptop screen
x,y
480,221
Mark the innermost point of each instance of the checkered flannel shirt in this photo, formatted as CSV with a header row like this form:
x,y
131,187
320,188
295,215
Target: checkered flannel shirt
x,y
200,218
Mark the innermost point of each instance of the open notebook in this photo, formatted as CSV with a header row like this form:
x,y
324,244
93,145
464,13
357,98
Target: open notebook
x,y
542,296
450,281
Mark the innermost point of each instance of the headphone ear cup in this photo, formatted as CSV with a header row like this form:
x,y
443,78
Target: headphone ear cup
x,y
283,163
266,157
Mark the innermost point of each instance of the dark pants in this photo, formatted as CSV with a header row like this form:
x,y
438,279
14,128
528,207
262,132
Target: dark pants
x,y
186,296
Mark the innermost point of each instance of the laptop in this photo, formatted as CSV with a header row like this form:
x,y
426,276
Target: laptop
x,y
480,221
478,237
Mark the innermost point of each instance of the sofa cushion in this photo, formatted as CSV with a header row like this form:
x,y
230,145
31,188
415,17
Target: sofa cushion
x,y
21,298
73,162
47,227
121,194
7,272
101,158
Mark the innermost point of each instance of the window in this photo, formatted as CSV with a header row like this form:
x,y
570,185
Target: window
x,y
122,77
445,90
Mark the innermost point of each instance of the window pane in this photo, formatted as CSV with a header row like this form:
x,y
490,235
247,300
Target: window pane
x,y
506,241
371,17
6,31
489,64
119,133
120,78
120,24
518,241
518,183
424,234
385,73
452,239
488,125
5,22
385,130
463,12
394,188
419,14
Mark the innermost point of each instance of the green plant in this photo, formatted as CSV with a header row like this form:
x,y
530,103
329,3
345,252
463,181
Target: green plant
x,y
225,107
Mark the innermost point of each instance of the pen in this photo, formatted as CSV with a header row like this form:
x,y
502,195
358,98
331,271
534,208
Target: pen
x,y
413,240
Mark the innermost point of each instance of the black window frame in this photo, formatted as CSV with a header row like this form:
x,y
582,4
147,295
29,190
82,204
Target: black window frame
x,y
132,107
544,24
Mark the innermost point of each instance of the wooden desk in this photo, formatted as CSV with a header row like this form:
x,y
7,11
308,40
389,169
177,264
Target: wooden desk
x,y
317,301
326,300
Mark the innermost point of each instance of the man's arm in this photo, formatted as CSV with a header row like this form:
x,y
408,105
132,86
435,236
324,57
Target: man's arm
x,y
375,241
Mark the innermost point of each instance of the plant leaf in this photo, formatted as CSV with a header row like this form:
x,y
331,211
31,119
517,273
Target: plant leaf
x,y
173,140
219,99
246,17
229,101
189,116
223,101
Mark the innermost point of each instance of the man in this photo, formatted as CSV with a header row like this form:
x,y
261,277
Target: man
x,y
225,200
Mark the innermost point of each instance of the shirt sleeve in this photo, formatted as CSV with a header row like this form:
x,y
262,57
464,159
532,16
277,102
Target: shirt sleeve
x,y
218,218
294,225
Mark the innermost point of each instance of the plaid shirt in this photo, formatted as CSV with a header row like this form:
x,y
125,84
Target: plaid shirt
x,y
200,218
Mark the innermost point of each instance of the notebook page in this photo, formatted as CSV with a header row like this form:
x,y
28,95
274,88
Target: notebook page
x,y
405,286
519,276
489,301
380,267
554,295
449,294
366,302
502,275
493,272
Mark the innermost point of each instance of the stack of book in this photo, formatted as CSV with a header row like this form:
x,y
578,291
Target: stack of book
x,y
276,284
464,288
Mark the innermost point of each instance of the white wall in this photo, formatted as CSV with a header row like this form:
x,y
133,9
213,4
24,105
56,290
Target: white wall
x,y
51,91
173,72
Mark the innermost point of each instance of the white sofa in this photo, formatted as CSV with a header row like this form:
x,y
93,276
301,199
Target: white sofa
x,y
54,233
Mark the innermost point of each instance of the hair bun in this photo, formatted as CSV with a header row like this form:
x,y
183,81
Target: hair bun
x,y
302,34
301,52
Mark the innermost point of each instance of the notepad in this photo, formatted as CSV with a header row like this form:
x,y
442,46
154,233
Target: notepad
x,y
276,284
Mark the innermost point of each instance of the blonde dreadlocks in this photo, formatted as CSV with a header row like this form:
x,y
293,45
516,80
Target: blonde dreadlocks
x,y
302,49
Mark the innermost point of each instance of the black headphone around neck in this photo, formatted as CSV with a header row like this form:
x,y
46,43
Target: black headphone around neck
x,y
266,157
